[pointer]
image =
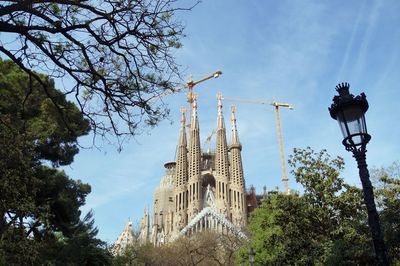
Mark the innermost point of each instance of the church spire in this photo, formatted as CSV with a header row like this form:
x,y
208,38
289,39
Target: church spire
x,y
182,134
194,123
181,173
235,137
220,123
222,162
181,157
194,187
237,185
145,227
235,148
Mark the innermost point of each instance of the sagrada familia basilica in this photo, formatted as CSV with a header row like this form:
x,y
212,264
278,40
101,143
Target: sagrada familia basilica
x,y
201,190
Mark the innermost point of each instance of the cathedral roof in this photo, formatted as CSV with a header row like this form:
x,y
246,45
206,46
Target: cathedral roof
x,y
211,212
125,239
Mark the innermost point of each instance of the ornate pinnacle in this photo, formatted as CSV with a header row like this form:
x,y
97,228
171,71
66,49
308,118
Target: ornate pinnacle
x,y
345,98
219,97
195,101
233,110
343,89
183,119
235,138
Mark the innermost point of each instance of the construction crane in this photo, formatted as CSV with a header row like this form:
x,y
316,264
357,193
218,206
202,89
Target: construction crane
x,y
276,104
285,178
208,140
189,85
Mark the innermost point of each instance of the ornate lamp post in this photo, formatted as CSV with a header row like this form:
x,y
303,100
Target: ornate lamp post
x,y
349,112
252,255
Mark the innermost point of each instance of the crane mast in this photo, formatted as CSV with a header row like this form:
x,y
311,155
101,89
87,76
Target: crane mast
x,y
285,178
276,105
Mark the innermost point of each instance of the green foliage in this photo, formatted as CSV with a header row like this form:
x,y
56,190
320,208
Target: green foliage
x,y
55,9
324,226
387,192
39,205
79,248
282,230
49,128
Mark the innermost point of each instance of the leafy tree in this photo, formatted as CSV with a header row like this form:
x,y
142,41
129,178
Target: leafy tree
x,y
39,205
387,183
119,54
338,207
282,233
324,226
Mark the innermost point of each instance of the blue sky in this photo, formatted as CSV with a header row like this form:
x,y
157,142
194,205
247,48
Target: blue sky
x,y
296,51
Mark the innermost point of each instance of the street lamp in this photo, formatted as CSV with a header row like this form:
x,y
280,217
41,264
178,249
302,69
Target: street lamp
x,y
349,112
252,255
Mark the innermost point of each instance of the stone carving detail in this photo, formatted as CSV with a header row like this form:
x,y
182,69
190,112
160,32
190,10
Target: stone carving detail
x,y
209,199
196,224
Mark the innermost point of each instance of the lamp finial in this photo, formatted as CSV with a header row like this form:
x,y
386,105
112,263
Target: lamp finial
x,y
343,89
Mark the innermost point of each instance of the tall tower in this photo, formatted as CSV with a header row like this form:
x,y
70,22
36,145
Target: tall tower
x,y
222,164
181,178
194,185
237,183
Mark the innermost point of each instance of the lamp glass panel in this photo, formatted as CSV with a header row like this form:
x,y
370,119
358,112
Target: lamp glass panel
x,y
343,128
351,121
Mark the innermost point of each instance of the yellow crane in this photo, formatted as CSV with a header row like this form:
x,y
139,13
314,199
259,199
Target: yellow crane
x,y
276,105
189,85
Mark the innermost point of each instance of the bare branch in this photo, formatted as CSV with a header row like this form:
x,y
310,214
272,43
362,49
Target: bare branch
x,y
119,54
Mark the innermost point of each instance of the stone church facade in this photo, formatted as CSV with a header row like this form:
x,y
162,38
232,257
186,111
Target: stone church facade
x,y
201,190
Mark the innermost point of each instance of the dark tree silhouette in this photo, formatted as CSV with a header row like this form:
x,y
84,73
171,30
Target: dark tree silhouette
x,y
118,53
40,205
